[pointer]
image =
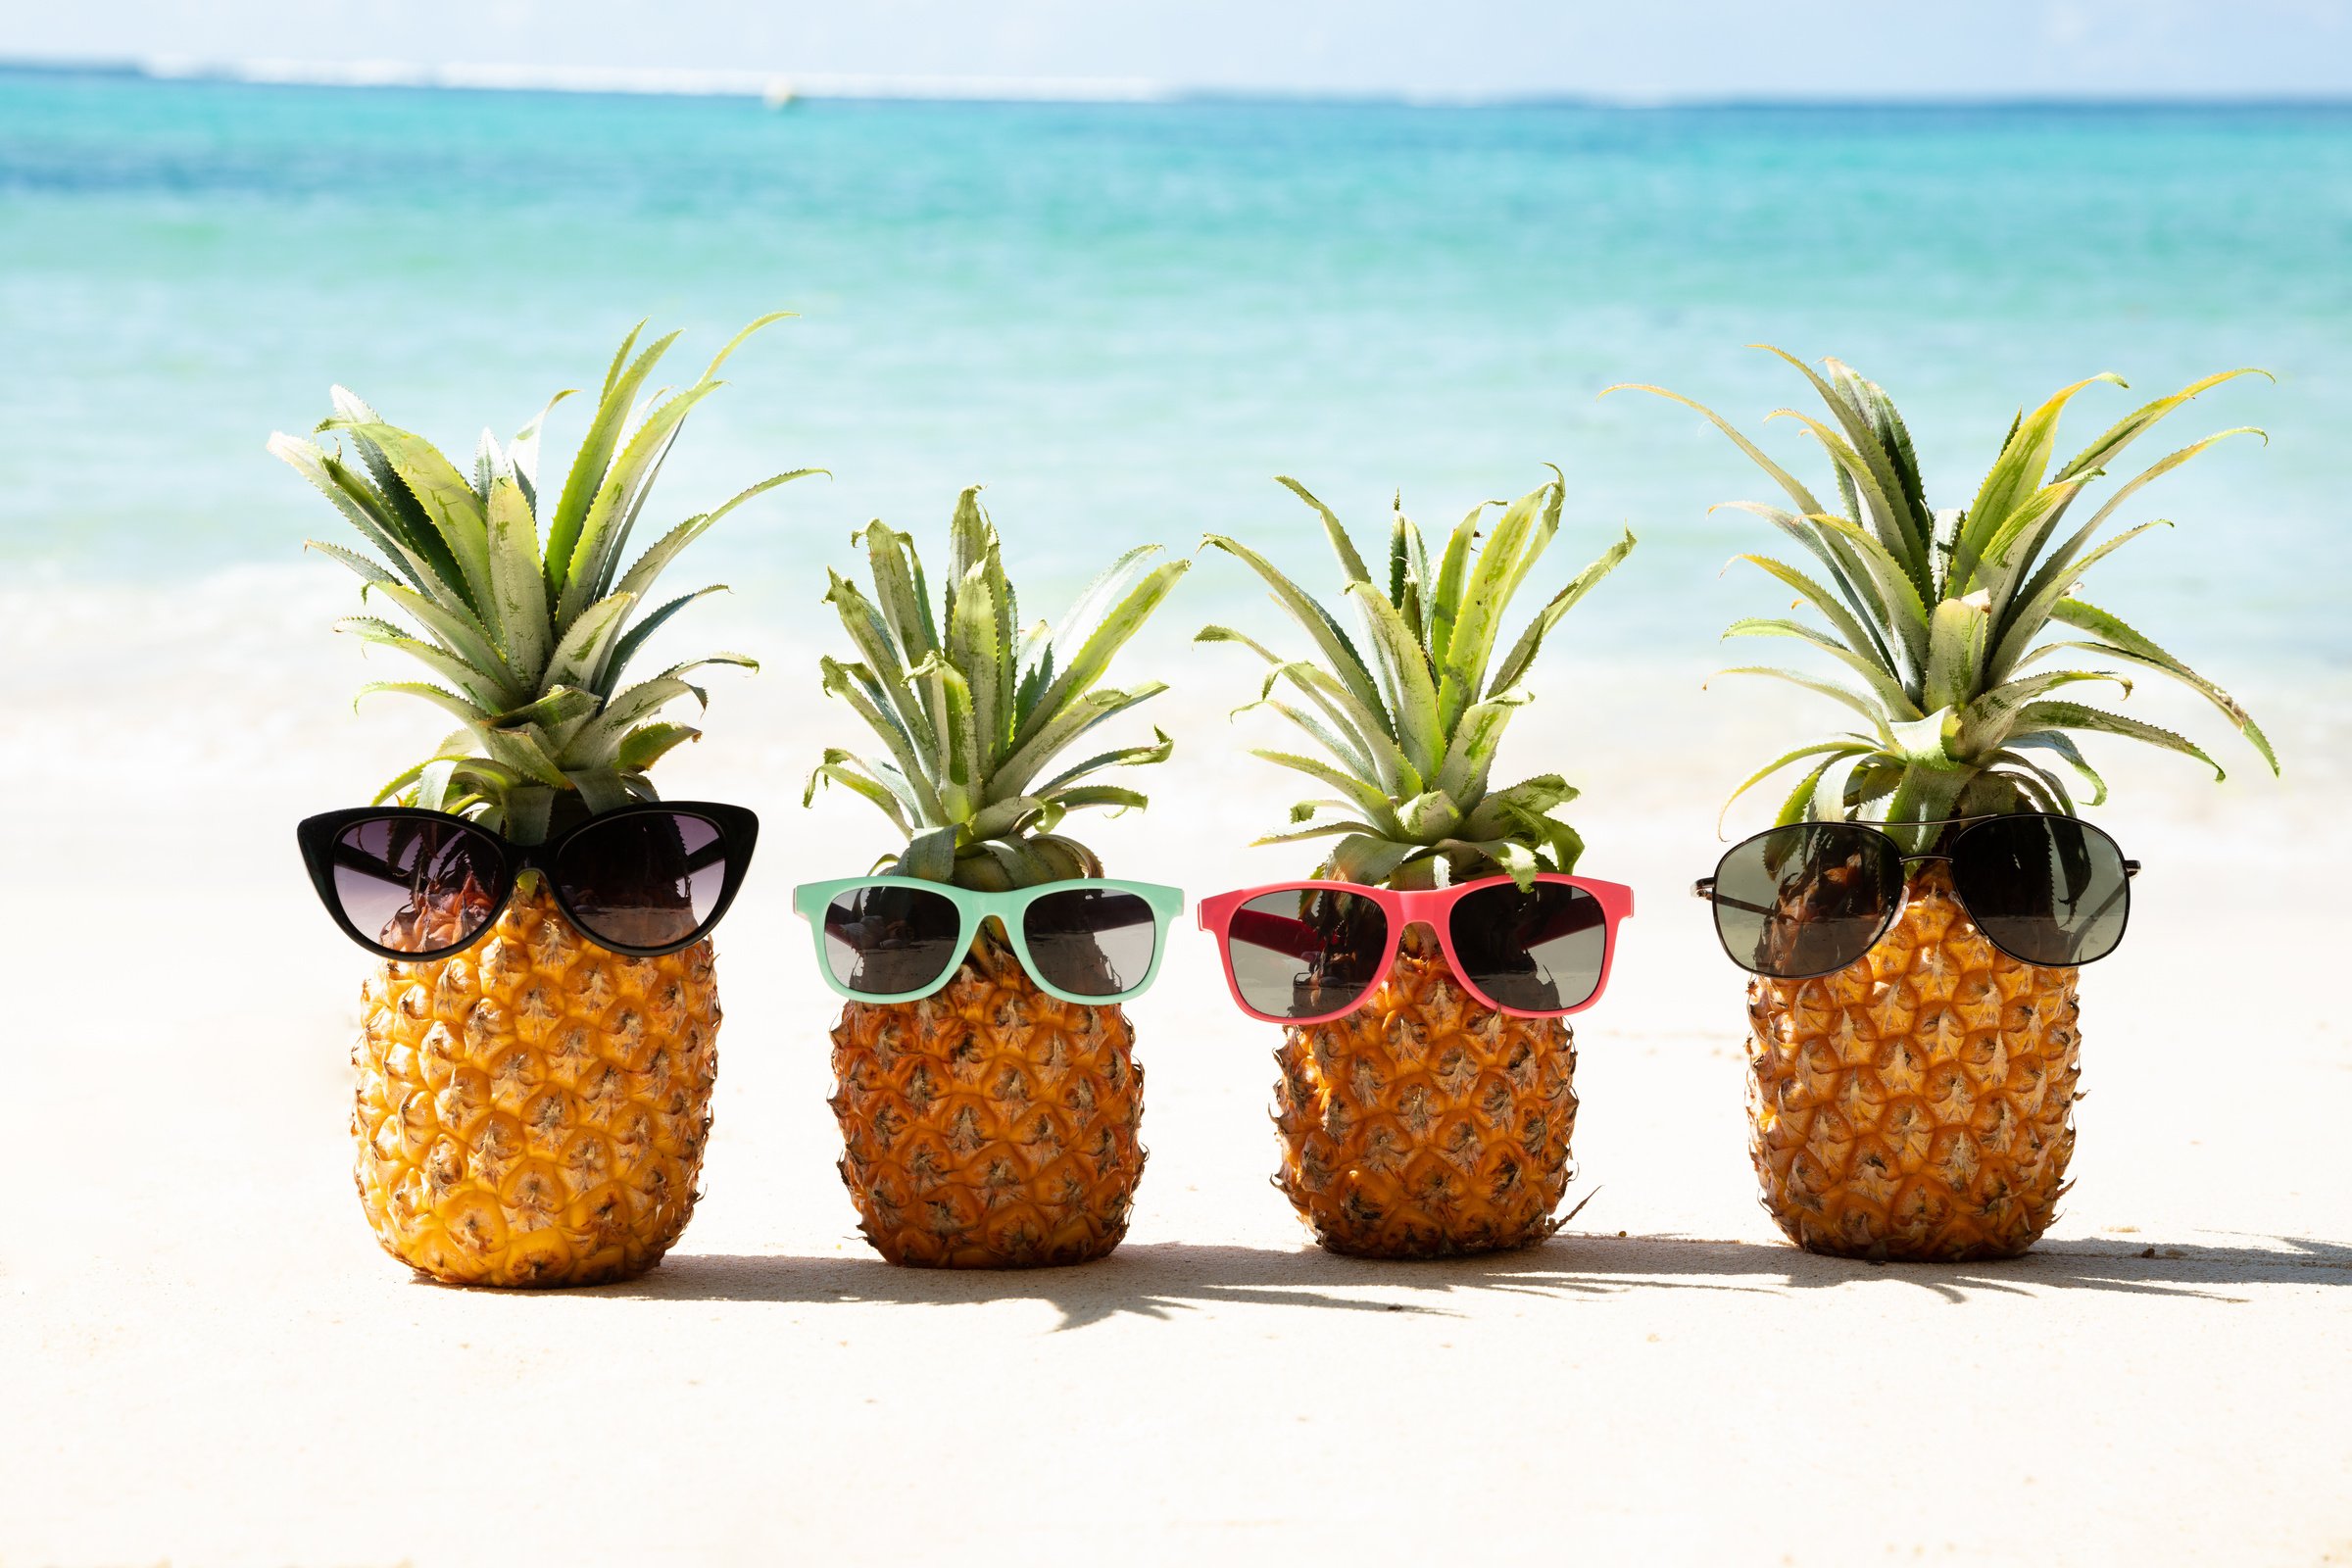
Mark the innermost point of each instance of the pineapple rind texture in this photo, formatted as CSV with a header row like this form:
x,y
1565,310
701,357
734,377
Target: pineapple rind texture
x,y
533,1112
1917,1105
1426,1124
990,1125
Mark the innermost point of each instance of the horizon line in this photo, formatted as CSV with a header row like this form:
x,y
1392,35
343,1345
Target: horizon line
x,y
780,87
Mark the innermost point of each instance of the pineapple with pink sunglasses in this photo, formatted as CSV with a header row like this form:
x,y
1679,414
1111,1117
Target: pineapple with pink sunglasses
x,y
1424,974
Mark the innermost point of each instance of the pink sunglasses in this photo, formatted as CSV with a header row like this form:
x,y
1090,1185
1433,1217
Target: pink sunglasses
x,y
1303,952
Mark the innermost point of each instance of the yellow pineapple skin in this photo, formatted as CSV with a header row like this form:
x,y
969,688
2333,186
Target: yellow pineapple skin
x,y
1425,1123
989,1125
533,1112
1917,1105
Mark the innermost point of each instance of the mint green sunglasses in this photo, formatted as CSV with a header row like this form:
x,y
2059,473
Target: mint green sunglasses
x,y
902,939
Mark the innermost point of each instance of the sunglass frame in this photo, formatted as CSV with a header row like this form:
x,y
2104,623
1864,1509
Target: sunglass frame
x,y
1706,886
973,907
738,833
1405,909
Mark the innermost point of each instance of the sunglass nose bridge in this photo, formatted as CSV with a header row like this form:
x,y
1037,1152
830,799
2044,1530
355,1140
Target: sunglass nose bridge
x,y
1407,924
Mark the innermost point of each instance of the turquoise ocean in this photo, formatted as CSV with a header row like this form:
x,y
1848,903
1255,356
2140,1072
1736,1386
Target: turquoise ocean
x,y
1125,319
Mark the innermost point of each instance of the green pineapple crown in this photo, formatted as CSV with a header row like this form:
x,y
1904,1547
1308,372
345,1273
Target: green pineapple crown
x,y
529,637
972,710
1410,734
1941,615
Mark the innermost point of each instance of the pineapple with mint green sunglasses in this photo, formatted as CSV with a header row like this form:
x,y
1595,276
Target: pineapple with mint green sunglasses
x,y
889,939
984,1079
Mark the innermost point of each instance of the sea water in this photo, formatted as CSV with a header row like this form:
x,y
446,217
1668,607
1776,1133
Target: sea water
x,y
1126,318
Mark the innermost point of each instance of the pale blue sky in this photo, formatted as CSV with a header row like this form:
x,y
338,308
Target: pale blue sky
x,y
1667,48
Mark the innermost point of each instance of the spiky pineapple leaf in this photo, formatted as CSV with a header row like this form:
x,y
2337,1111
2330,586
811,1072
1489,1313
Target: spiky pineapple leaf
x,y
1522,655
449,505
1883,686
605,530
2139,420
1159,750
1338,653
1900,542
517,589
359,505
586,478
2016,472
2120,641
1454,572
1852,699
648,744
2075,716
1088,664
1351,563
589,636
439,696
1405,673
1485,596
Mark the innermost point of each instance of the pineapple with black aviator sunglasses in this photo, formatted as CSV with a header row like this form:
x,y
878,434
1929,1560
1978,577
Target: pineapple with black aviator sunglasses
x,y
1916,920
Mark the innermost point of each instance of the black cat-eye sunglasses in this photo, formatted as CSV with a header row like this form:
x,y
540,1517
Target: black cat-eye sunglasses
x,y
643,880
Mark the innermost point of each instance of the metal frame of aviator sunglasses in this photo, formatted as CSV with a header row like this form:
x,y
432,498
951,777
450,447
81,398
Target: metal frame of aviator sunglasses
x,y
811,899
1405,909
1706,886
737,832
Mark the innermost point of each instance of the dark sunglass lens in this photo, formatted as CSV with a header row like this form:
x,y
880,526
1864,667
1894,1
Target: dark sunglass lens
x,y
1307,952
885,941
1806,900
650,879
1091,942
417,884
1539,951
2047,890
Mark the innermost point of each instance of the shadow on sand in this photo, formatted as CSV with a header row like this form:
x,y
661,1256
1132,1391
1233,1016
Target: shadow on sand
x,y
1164,1278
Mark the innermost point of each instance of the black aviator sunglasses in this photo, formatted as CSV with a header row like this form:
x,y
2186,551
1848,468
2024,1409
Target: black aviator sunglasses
x,y
1813,898
643,880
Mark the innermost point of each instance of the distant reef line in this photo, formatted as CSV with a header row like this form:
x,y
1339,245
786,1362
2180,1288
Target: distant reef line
x,y
777,88
772,87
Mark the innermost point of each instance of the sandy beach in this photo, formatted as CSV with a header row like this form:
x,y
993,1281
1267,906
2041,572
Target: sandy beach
x,y
205,1359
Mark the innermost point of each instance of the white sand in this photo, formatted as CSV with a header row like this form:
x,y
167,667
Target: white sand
x,y
204,1359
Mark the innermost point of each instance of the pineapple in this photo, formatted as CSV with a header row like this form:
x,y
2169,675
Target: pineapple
x,y
990,1125
530,1110
1918,1104
1424,1123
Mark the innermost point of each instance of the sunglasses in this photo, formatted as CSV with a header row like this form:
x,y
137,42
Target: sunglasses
x,y
1302,953
1812,897
902,939
643,880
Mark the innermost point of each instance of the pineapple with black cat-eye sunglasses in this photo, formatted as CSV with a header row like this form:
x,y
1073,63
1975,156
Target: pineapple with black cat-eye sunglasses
x,y
540,915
